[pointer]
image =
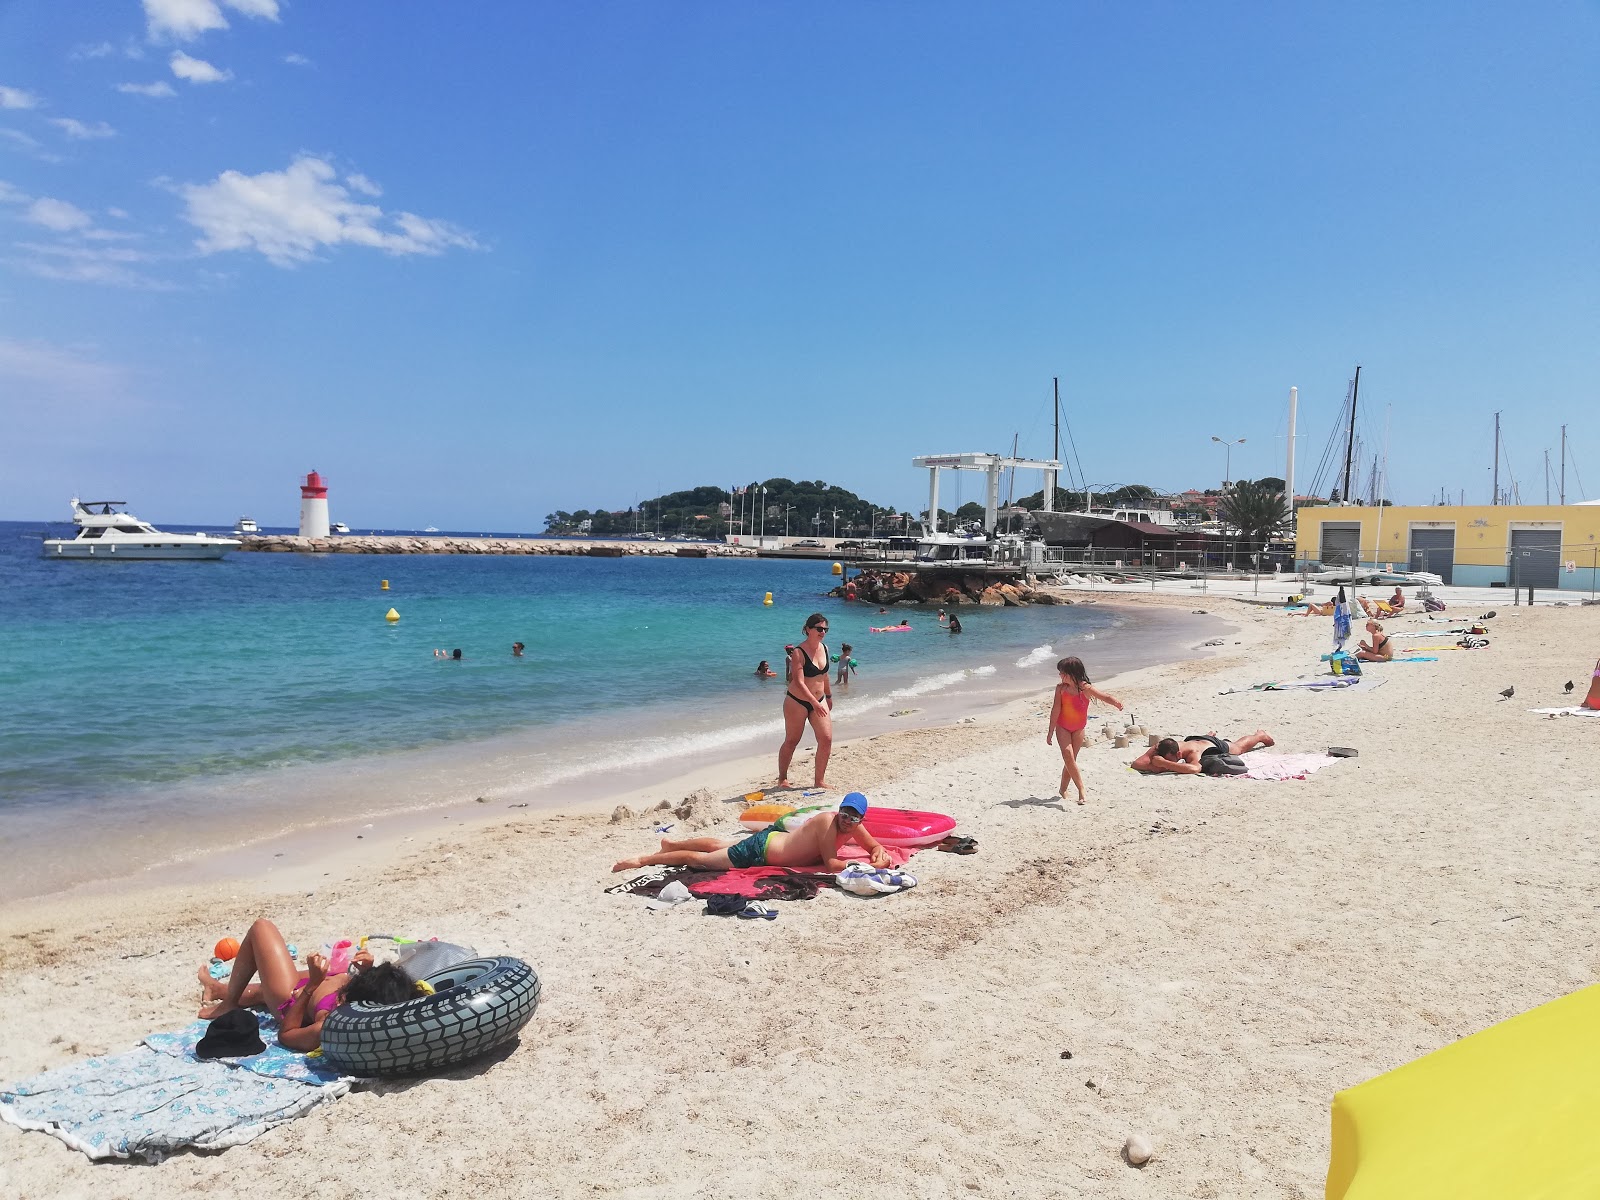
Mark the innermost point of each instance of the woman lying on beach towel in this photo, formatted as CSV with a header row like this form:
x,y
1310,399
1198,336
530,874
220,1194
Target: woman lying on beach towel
x,y
300,1002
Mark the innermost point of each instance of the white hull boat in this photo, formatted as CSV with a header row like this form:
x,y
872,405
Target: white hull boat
x,y
106,533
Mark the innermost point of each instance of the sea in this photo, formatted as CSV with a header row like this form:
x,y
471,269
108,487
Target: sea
x,y
154,711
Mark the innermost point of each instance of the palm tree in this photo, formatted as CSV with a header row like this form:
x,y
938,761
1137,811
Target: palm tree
x,y
1256,509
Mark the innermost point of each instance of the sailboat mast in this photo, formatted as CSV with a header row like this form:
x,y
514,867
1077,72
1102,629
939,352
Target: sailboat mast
x,y
1055,453
1563,464
1350,445
1496,499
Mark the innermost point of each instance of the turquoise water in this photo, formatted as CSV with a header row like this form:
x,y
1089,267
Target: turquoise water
x,y
137,690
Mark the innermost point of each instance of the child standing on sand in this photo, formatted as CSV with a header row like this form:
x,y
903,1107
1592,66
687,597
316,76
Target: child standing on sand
x,y
1069,715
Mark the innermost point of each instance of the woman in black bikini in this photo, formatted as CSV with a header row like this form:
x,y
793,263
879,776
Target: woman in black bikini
x,y
809,698
1380,650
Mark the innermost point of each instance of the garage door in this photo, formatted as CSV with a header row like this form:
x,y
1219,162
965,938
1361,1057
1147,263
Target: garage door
x,y
1340,544
1434,550
1536,558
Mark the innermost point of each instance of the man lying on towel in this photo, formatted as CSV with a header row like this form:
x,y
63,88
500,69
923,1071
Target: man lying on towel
x,y
816,843
1170,757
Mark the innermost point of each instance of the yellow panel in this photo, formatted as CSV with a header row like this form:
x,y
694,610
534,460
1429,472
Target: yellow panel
x,y
1510,1112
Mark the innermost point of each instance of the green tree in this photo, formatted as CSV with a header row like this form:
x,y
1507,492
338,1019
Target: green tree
x,y
1255,510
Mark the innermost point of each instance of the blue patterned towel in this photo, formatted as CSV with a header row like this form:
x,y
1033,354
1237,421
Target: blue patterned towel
x,y
157,1099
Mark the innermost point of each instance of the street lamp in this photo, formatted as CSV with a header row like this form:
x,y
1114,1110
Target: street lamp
x,y
786,509
762,541
1227,460
836,523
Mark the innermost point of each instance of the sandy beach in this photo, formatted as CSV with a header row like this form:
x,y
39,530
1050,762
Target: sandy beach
x,y
1203,961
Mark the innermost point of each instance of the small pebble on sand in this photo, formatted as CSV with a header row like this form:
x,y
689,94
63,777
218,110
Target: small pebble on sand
x,y
1137,1150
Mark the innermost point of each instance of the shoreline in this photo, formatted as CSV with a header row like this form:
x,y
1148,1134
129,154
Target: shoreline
x,y
1218,957
437,790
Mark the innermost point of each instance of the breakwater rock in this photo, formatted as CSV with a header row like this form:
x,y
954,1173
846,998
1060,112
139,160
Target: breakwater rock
x,y
275,543
948,588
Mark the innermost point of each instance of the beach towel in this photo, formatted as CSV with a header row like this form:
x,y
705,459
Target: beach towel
x,y
1577,710
1264,764
157,1099
1321,683
1417,658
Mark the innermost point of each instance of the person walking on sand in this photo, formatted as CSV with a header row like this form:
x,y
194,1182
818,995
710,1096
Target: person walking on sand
x,y
817,841
808,700
1069,715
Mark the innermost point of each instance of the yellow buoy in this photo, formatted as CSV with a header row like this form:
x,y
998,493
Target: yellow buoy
x,y
391,616
384,586
768,600
838,568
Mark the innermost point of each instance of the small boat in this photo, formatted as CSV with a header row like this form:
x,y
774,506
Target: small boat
x,y
338,527
431,529
105,532
246,525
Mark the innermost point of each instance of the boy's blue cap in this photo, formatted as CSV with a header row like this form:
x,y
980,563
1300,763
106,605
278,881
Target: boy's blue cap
x,y
854,802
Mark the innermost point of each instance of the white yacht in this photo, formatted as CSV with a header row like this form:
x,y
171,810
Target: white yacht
x,y
105,532
247,525
338,527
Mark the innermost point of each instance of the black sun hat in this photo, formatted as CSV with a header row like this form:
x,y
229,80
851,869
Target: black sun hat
x,y
232,1035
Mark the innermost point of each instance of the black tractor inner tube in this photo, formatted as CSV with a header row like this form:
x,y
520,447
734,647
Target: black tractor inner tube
x,y
476,1005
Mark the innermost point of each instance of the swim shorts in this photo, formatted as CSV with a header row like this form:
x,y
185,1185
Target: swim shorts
x,y
752,852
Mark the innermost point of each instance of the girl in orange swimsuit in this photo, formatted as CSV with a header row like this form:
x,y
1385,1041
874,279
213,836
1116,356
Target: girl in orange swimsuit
x,y
1069,715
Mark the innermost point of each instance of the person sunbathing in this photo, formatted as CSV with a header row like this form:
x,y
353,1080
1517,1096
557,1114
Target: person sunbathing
x,y
1170,757
1381,608
1381,648
816,842
300,1002
1313,609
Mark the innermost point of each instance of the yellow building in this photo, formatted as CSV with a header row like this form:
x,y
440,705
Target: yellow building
x,y
1524,545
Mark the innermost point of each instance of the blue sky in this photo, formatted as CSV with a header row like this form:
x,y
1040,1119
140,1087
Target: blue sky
x,y
478,263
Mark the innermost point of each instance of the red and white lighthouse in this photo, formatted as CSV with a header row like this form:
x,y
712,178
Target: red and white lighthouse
x,y
313,507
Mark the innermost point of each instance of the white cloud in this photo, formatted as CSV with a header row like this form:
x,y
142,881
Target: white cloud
x,y
360,183
118,213
77,129
197,70
11,195
289,215
159,88
11,97
58,366
20,141
186,20
96,50
297,60
113,266
57,215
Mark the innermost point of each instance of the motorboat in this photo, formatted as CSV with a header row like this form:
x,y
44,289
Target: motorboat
x,y
338,527
246,525
107,530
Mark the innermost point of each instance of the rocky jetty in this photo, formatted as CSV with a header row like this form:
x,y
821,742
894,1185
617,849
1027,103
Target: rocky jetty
x,y
948,588
420,544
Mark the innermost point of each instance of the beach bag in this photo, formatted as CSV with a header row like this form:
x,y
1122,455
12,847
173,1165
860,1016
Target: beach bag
x,y
1223,764
428,958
